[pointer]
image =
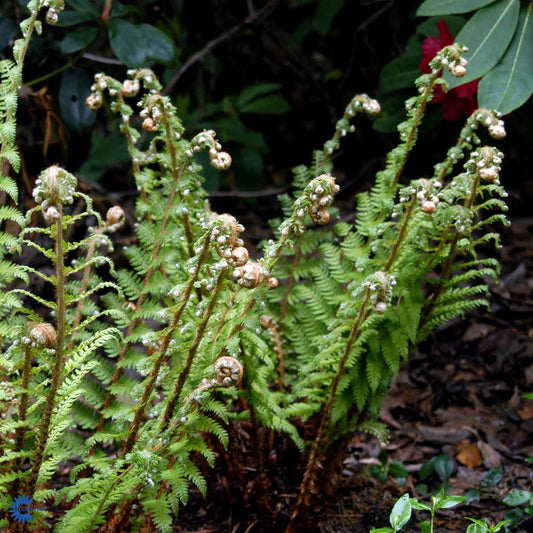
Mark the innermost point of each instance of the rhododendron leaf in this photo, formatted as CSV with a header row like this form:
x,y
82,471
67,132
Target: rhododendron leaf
x,y
128,43
510,84
487,35
159,47
82,5
400,72
392,112
82,12
78,39
448,7
429,27
71,18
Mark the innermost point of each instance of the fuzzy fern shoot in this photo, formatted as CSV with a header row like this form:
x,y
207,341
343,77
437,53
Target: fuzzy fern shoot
x,y
139,378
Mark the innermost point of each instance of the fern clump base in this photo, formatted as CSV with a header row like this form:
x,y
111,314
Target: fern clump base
x,y
141,377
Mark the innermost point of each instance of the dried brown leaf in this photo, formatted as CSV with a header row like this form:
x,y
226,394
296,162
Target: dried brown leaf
x,y
469,454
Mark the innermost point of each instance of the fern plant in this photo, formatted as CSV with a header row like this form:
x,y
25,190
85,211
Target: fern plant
x,y
136,378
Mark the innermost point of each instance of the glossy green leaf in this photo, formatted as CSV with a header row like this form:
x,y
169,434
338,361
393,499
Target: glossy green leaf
x,y
499,525
448,7
443,465
400,72
250,93
510,84
74,89
401,512
71,18
472,495
419,506
492,478
513,516
422,489
449,501
120,10
392,112
379,472
82,5
415,42
427,469
429,27
478,522
128,43
84,11
425,527
268,105
78,39
487,35
397,470
517,497
325,13
479,526
159,47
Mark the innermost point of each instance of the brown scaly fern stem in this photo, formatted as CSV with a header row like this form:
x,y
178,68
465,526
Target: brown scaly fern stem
x,y
448,265
163,354
307,487
193,349
59,354
136,321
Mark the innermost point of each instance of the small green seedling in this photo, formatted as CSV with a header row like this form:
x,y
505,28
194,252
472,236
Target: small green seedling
x,y
401,512
481,526
521,503
399,516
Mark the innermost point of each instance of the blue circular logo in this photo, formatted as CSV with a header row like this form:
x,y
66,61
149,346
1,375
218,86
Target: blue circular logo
x,y
21,509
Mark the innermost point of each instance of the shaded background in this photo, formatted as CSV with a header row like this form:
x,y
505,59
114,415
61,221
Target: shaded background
x,y
314,54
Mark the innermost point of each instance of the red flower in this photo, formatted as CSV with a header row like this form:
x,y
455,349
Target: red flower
x,y
460,100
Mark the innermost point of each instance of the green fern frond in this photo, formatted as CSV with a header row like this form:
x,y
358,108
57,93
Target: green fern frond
x,y
378,430
9,186
11,154
11,213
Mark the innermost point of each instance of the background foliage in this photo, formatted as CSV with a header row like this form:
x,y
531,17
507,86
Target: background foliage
x,y
263,73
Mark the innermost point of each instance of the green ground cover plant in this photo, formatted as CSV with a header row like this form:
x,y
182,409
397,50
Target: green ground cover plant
x,y
401,513
135,367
